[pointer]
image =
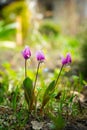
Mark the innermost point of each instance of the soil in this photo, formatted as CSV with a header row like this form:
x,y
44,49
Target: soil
x,y
9,121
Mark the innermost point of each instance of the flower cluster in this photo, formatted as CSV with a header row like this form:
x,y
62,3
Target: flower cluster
x,y
40,56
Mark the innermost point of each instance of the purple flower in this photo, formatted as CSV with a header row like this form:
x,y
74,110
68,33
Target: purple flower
x,y
64,62
26,53
67,59
40,56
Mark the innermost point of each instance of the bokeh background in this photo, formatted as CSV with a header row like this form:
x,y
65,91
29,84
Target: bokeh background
x,y
54,26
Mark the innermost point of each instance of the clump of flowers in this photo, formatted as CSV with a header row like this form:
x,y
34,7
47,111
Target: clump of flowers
x,y
29,86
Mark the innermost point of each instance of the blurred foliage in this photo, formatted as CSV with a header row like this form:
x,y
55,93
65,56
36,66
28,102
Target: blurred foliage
x,y
49,28
7,31
18,9
3,86
68,44
50,36
82,36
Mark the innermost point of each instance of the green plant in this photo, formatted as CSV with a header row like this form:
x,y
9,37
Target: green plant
x,y
7,31
28,92
29,87
58,122
15,96
49,28
4,85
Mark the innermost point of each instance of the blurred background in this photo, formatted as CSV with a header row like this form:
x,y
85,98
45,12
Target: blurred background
x,y
54,26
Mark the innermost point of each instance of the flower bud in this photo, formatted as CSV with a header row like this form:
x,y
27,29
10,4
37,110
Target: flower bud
x,y
26,53
67,59
40,56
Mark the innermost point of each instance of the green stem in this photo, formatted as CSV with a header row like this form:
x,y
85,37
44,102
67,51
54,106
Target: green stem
x,y
25,68
36,76
58,75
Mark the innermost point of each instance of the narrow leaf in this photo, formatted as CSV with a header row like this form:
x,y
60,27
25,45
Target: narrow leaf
x,y
50,88
47,95
28,90
28,86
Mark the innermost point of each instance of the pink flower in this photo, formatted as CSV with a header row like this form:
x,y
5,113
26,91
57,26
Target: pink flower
x,y
26,53
67,59
40,56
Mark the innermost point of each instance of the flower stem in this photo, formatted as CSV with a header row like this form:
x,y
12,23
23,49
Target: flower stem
x,y
36,75
58,75
25,68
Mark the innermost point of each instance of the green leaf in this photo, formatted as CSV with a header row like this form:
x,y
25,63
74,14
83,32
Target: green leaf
x,y
71,98
28,90
50,88
28,85
58,121
49,91
14,98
